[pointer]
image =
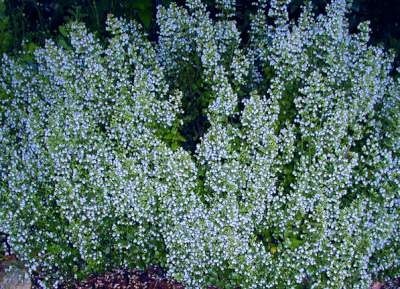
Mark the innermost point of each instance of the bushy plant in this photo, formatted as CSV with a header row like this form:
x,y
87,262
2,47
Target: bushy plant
x,y
294,184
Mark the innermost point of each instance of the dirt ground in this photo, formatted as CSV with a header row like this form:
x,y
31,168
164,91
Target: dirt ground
x,y
12,274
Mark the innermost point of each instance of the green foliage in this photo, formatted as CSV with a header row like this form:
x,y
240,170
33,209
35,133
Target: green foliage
x,y
6,37
266,162
34,21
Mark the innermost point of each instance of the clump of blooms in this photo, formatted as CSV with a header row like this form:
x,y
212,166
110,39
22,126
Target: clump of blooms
x,y
294,184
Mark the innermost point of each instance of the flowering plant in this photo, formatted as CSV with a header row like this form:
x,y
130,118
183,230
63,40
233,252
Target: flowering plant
x,y
294,183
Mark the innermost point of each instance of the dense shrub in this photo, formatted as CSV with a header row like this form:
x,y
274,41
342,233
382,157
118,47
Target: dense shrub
x,y
294,184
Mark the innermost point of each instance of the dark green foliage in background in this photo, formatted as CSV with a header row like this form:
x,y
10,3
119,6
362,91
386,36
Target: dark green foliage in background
x,y
34,21
5,30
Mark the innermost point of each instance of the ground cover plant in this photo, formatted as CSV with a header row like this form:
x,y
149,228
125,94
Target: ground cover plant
x,y
293,182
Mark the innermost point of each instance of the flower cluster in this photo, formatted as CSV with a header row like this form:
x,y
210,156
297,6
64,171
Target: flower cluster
x,y
294,184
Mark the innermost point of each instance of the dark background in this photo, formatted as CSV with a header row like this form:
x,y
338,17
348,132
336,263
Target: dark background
x,y
36,20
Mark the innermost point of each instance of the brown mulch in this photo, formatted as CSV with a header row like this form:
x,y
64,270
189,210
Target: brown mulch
x,y
392,284
152,278
155,278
